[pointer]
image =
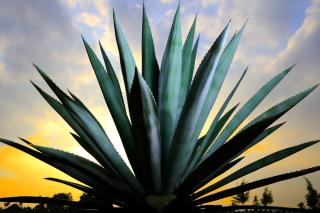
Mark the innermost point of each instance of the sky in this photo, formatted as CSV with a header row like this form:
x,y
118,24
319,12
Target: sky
x,y
48,33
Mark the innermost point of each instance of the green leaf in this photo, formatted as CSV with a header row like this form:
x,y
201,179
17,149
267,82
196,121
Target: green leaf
x,y
80,187
88,167
150,67
112,95
95,131
187,65
98,195
222,169
145,124
260,137
212,132
245,111
83,139
201,147
62,167
193,115
263,162
283,106
111,74
226,152
255,184
169,85
126,59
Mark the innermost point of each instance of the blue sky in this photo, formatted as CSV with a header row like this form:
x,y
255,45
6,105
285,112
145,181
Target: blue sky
x,y
48,33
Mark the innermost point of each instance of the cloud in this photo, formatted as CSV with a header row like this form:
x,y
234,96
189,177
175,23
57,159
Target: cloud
x,y
167,1
89,19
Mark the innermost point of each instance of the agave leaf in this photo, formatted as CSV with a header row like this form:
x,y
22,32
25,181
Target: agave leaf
x,y
255,184
187,131
72,172
95,131
263,162
187,65
83,139
281,107
88,190
49,200
222,68
80,187
88,167
245,111
201,147
226,152
115,104
150,67
221,71
62,167
284,105
213,131
145,124
111,74
126,59
222,169
169,85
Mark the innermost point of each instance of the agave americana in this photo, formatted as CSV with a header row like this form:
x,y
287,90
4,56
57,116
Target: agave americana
x,y
160,126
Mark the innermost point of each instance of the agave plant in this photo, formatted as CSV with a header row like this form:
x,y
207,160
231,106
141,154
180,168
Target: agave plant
x,y
160,128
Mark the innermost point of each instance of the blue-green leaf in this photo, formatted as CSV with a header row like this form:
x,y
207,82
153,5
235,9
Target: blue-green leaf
x,y
126,59
145,124
169,85
150,67
263,162
193,116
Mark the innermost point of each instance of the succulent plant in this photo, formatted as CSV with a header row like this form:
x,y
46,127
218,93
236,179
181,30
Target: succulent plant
x,y
159,121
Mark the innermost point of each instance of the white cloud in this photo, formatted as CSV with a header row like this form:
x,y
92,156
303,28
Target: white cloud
x,y
167,1
89,19
102,6
303,48
206,3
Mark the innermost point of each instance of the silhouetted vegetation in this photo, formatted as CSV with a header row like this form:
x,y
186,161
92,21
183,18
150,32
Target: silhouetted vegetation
x,y
267,197
312,198
47,208
242,197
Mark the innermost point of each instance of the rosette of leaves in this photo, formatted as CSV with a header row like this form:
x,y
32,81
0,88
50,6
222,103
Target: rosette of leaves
x,y
159,119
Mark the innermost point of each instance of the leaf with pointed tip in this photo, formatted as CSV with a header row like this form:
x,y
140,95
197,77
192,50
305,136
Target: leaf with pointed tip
x,y
284,105
95,131
115,103
80,187
260,137
126,59
245,111
145,124
193,115
169,85
226,152
263,162
88,167
62,167
255,184
83,139
187,65
88,190
112,75
201,147
150,67
222,169
212,132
